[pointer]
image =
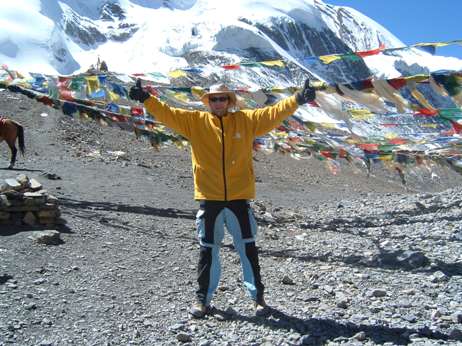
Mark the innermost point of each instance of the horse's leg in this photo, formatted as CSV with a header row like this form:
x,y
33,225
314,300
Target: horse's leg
x,y
14,151
10,138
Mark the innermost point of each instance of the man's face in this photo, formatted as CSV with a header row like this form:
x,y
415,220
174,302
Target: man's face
x,y
218,104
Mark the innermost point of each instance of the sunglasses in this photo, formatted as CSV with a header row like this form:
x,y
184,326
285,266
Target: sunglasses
x,y
218,99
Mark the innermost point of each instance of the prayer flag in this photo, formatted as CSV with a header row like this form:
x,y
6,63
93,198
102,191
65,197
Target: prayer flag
x,y
177,74
277,63
371,52
360,114
327,59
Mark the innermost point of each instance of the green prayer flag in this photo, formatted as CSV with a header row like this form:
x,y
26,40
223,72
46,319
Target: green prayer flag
x,y
450,113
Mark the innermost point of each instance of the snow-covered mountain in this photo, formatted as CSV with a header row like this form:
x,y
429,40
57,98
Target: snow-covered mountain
x,y
67,36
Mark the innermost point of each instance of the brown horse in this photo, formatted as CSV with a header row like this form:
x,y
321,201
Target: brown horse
x,y
9,131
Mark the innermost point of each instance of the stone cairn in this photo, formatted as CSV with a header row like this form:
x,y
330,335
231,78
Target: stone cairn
x,y
23,201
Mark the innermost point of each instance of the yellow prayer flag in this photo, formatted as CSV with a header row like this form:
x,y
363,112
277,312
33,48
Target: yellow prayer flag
x,y
388,157
92,84
310,141
441,44
435,44
418,78
177,74
311,126
422,100
429,125
360,114
181,96
278,63
279,134
352,141
279,89
319,85
327,59
112,96
197,91
124,110
84,116
24,84
328,125
390,135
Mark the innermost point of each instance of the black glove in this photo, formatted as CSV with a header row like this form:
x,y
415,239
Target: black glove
x,y
137,92
307,94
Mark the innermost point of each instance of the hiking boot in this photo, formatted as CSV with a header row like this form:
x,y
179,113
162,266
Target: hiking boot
x,y
261,309
199,310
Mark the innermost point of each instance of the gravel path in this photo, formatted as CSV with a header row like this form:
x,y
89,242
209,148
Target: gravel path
x,y
346,259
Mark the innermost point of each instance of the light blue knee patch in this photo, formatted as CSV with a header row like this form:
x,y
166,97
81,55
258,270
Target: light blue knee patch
x,y
215,270
234,228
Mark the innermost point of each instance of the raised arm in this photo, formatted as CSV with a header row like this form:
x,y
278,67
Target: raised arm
x,y
266,119
175,118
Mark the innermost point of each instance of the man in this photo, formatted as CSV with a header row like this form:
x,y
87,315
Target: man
x,y
224,182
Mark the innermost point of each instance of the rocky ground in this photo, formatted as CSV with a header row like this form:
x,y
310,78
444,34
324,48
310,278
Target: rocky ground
x,y
346,259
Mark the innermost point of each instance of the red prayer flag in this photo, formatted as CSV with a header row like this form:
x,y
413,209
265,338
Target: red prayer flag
x,y
137,111
231,67
342,153
371,52
367,84
456,126
397,83
66,95
397,141
115,116
63,83
45,100
369,146
426,112
295,124
326,154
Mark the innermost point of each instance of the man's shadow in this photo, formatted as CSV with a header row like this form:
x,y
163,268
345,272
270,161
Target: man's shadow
x,y
318,331
16,169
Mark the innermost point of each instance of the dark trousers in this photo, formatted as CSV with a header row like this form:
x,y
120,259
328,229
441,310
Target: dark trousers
x,y
239,220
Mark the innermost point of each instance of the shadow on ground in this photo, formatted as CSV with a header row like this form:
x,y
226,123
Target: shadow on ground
x,y
391,260
125,208
317,331
20,169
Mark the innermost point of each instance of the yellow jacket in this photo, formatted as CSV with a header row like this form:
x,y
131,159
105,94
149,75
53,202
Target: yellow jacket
x,y
221,147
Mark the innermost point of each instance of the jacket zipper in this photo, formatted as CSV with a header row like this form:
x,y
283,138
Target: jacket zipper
x,y
223,156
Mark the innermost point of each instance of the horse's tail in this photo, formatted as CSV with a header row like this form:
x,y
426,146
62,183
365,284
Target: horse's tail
x,y
22,147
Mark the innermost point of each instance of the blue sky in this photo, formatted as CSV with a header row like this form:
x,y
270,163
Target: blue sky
x,y
414,21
